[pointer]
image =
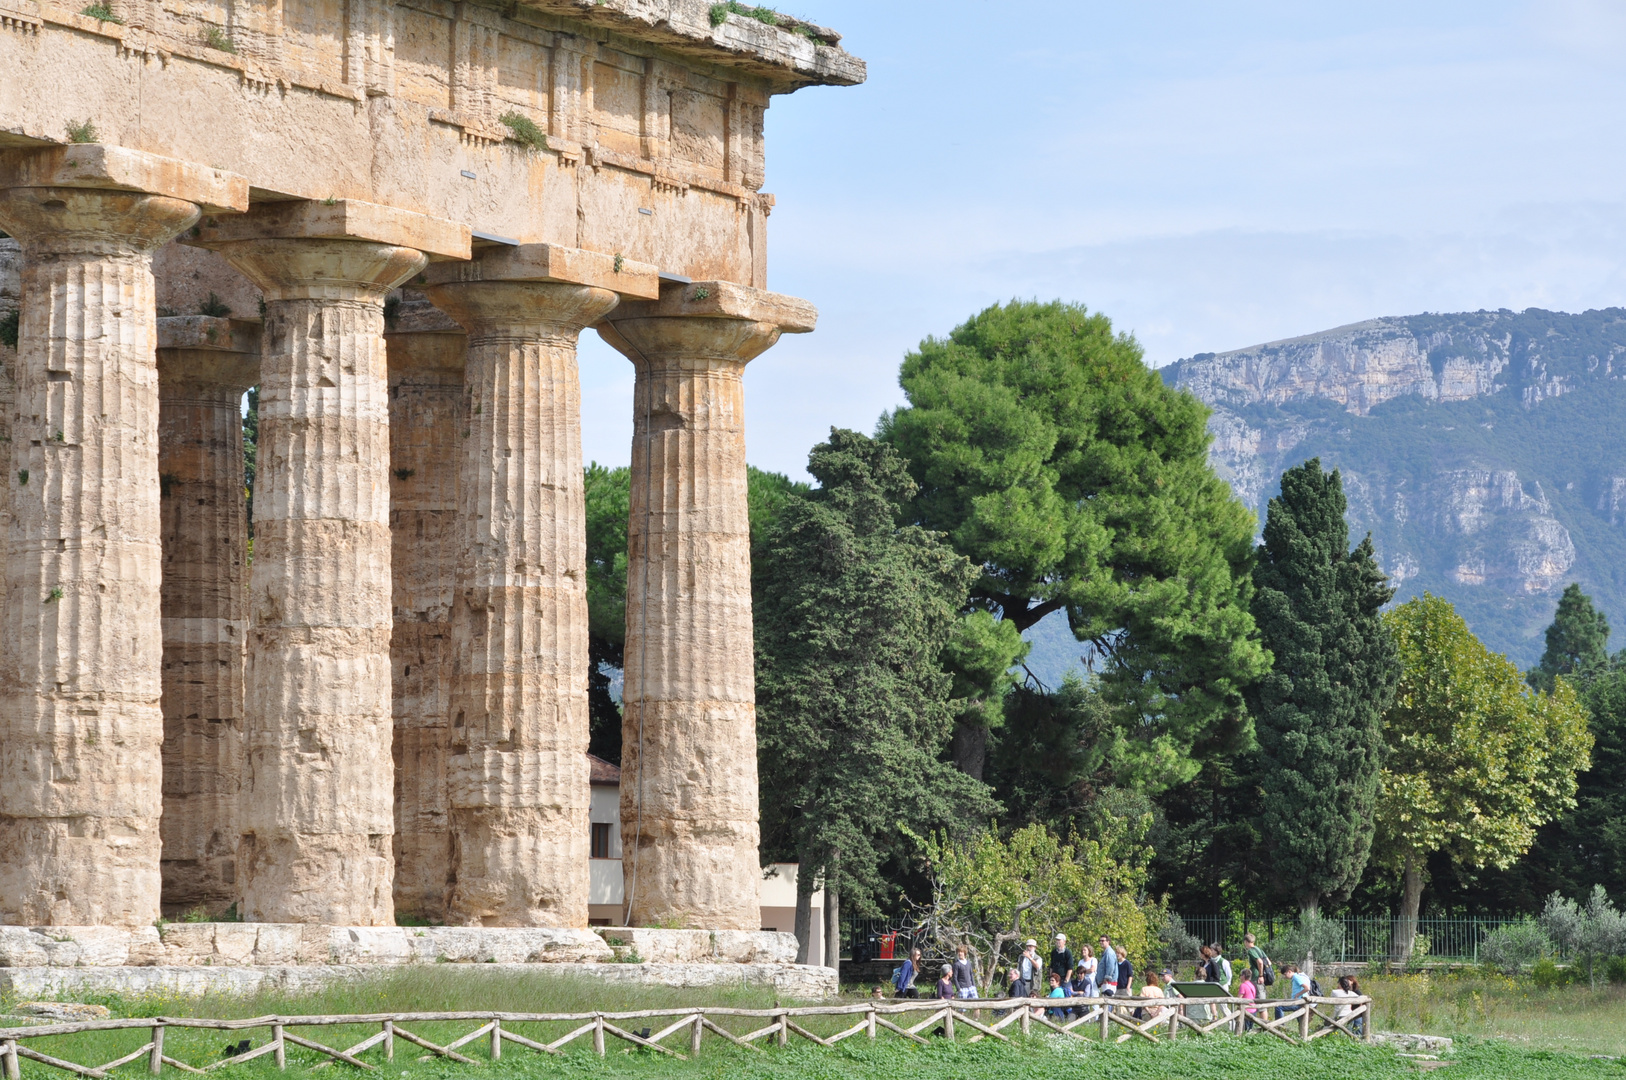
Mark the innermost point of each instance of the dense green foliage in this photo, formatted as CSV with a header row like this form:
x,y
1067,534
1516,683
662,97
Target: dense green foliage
x,y
1318,712
852,612
1064,469
1577,640
1477,760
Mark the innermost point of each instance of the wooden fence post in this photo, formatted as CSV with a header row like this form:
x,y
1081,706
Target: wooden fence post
x,y
782,1036
1106,1023
496,1039
1027,1018
948,1025
389,1040
155,1059
598,1034
14,1069
1304,1022
282,1047
694,1035
869,1023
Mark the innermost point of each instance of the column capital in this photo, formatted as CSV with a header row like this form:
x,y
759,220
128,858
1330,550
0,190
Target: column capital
x,y
206,351
115,168
343,250
704,321
552,262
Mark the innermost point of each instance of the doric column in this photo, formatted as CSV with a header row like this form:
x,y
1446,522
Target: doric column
x,y
80,726
204,367
426,427
689,757
317,811
518,768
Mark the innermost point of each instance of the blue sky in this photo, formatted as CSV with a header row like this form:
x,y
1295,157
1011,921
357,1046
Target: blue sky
x,y
1209,175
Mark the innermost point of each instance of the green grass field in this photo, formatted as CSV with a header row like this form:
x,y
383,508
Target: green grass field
x,y
1537,1034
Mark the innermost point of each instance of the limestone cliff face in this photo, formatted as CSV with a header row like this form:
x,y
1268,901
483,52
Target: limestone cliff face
x,y
1477,448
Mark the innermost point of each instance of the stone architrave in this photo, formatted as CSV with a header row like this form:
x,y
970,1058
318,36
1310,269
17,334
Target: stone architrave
x,y
688,736
426,426
518,769
205,365
80,725
317,811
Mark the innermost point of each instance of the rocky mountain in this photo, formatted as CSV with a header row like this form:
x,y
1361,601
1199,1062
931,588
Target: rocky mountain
x,y
1485,452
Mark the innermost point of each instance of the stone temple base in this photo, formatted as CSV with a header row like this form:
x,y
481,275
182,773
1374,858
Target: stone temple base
x,y
196,958
790,980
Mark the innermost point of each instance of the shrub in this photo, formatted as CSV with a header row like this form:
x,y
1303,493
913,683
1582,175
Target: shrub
x,y
1513,947
1615,968
1549,975
523,130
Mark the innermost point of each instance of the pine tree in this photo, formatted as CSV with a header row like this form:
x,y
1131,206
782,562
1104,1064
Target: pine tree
x,y
1577,640
854,712
1318,714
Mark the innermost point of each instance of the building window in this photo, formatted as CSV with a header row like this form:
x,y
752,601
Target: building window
x,y
601,839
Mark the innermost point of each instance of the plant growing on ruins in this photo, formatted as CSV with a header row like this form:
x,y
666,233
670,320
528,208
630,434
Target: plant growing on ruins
x,y
619,262
102,11
523,130
10,323
702,293
22,476
81,131
719,13
214,307
216,38
54,595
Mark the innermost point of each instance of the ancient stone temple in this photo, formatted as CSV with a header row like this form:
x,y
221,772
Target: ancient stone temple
x,y
394,218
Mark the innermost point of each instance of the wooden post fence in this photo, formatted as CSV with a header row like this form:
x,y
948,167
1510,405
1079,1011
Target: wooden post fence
x,y
1301,1020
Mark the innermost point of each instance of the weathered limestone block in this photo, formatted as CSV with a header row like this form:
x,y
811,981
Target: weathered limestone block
x,y
518,772
204,367
688,759
80,726
706,946
507,945
317,810
426,423
792,981
78,946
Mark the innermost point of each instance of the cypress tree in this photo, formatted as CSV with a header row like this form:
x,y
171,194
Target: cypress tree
x,y
1318,713
1577,640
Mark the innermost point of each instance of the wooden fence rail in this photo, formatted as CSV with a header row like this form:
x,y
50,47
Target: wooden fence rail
x,y
1298,1020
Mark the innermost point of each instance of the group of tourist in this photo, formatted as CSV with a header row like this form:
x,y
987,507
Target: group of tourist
x,y
1111,973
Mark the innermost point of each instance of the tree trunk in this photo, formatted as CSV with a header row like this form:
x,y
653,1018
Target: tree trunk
x,y
970,747
1410,901
832,920
1309,908
804,910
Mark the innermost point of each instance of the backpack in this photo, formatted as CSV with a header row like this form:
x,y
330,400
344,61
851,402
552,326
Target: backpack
x,y
1315,988
1270,973
897,978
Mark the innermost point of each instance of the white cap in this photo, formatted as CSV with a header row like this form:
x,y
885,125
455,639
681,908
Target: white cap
x,y
1061,937
1029,942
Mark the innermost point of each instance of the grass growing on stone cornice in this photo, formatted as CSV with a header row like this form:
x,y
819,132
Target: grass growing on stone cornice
x,y
103,11
523,130
216,38
719,14
81,131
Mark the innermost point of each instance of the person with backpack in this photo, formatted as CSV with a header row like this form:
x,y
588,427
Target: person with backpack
x,y
1219,968
1027,969
903,980
1258,962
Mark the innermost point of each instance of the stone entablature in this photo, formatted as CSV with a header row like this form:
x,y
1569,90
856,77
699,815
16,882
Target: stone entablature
x,y
652,117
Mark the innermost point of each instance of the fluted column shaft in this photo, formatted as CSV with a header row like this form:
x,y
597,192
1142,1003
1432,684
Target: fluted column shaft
x,y
201,382
317,811
518,774
80,726
688,759
426,428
